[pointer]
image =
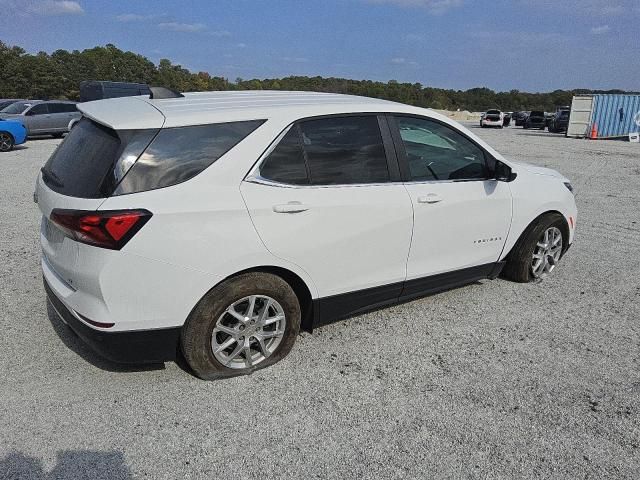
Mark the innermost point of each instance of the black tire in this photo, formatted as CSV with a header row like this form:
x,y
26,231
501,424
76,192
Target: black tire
x,y
197,331
518,267
7,142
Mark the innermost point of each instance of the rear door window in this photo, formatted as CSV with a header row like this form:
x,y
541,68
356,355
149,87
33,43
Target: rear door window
x,y
329,151
344,150
285,164
39,109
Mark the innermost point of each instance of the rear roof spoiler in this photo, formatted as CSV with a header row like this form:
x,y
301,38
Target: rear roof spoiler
x,y
163,92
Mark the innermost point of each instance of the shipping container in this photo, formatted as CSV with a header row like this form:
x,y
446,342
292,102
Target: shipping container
x,y
604,116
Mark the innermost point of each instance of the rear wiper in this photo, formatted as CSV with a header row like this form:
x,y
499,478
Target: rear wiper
x,y
53,178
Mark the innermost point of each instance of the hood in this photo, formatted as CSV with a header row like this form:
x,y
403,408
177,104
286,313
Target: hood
x,y
549,172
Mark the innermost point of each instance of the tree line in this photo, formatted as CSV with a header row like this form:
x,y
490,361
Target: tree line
x,y
58,75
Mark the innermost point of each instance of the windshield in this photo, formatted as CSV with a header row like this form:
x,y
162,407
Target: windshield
x,y
493,112
17,108
536,114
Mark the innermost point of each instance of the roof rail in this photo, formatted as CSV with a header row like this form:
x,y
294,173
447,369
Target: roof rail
x,y
163,92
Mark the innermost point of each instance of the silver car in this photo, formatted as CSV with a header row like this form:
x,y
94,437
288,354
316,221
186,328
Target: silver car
x,y
53,117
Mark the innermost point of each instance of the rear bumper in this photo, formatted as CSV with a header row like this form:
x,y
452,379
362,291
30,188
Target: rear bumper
x,y
137,346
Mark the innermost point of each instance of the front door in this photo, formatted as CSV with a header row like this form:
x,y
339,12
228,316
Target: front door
x,y
462,217
327,199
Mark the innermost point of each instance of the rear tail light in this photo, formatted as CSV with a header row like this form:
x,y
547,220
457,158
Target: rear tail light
x,y
109,229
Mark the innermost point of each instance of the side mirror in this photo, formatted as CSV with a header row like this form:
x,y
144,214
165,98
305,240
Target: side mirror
x,y
503,172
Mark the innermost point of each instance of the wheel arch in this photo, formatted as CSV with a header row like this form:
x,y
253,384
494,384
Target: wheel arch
x,y
299,286
9,133
565,231
13,138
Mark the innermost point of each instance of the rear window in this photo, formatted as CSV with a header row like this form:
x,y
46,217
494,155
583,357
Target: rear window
x,y
84,163
493,112
536,113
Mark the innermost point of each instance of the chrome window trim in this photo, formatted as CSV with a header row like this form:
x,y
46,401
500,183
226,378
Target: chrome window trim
x,y
265,181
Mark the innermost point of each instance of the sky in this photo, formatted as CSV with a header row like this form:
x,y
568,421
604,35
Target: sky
x,y
529,45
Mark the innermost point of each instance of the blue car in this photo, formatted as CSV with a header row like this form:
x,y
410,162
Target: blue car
x,y
11,133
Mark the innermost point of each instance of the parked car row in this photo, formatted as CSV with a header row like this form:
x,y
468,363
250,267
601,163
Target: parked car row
x,y
555,122
20,119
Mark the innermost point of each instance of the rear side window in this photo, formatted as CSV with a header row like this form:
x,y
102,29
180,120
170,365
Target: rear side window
x,y
83,165
178,154
329,151
62,107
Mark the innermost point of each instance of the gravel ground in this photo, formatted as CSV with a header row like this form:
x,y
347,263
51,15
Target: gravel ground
x,y
493,380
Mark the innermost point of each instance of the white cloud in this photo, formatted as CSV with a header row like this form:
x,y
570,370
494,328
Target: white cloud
x,y
56,7
295,59
219,33
182,27
134,17
600,30
403,61
584,7
433,6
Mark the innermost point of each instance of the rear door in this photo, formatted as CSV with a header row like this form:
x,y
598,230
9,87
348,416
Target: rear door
x,y
462,216
61,115
327,197
37,119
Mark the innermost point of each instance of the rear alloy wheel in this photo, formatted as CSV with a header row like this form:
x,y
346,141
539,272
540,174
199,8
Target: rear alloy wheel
x,y
6,142
248,331
246,323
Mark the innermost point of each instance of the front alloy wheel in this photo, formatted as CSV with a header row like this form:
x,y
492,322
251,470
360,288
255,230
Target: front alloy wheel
x,y
547,252
6,142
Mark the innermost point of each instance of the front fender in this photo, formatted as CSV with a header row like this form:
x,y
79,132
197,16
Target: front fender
x,y
533,195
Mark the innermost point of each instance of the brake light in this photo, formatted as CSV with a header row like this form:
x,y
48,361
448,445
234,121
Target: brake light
x,y
109,229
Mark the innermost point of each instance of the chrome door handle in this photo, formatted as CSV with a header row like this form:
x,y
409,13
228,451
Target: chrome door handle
x,y
291,207
430,198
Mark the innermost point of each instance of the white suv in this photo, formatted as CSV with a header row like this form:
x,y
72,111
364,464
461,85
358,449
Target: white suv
x,y
220,224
